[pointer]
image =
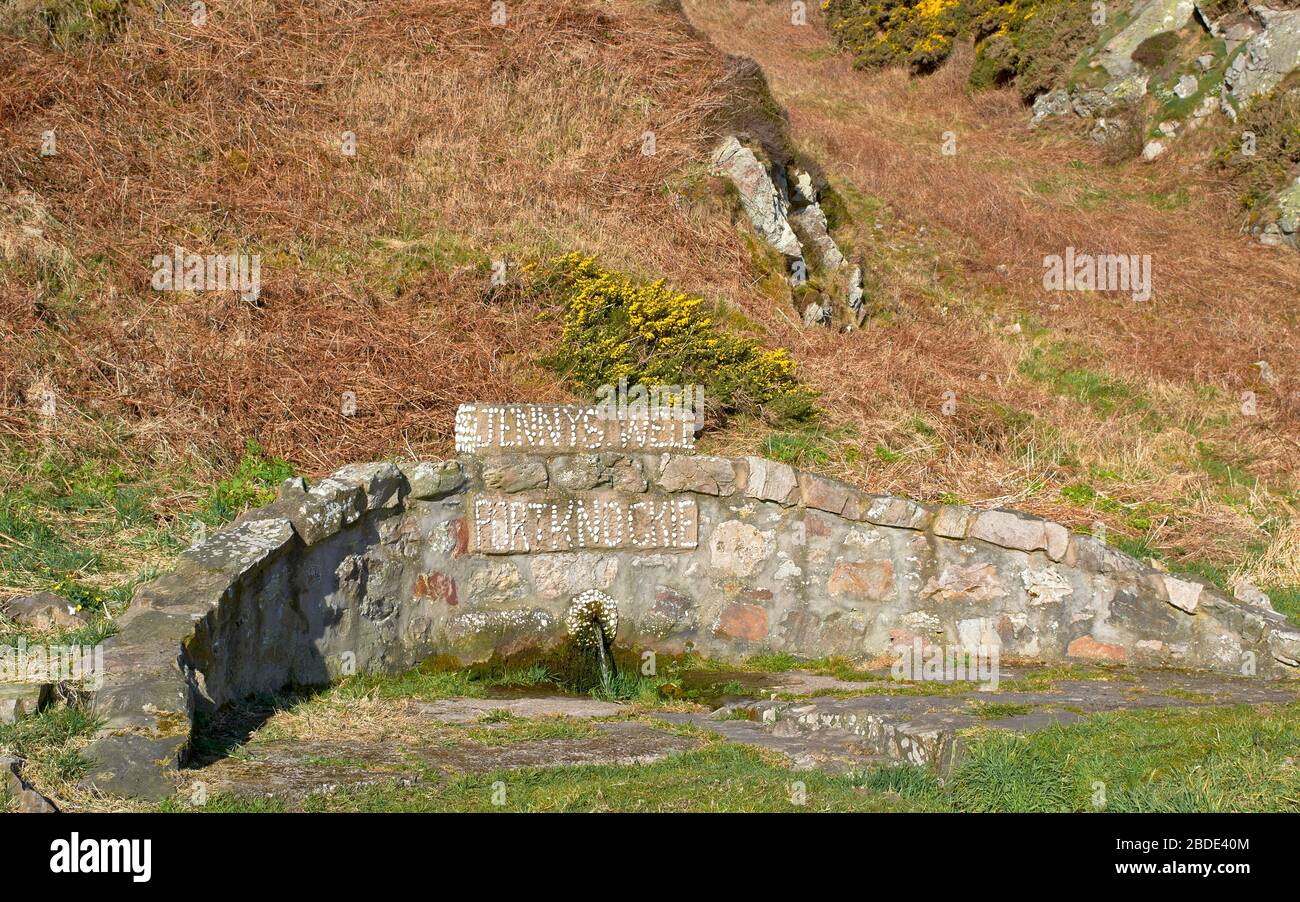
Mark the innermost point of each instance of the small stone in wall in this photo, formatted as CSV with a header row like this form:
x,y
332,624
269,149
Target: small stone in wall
x,y
743,621
432,479
788,570
514,473
1047,586
886,510
577,472
1021,533
382,483
495,582
1089,648
627,475
771,481
437,586
866,580
952,522
706,475
739,549
824,494
1182,594
564,574
973,582
978,632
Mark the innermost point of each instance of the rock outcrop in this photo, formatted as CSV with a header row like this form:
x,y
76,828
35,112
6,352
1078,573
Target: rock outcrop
x,y
783,204
1145,66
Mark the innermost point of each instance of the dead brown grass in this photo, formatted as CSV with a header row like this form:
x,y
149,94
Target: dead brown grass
x,y
478,143
960,256
475,143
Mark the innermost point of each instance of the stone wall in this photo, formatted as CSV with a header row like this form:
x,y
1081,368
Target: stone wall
x,y
382,566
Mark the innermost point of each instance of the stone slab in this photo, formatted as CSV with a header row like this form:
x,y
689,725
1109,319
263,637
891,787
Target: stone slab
x,y
484,429
523,524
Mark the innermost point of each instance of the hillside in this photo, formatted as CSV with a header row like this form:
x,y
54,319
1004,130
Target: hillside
x,y
478,145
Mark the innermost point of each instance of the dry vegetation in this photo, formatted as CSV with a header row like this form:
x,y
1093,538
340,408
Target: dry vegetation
x,y
479,143
1133,409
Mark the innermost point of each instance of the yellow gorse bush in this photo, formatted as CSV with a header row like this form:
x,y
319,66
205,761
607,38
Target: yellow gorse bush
x,y
919,33
617,328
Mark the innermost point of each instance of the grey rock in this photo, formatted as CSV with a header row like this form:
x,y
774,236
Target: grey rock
x,y
1182,593
1152,149
430,480
155,702
1187,86
1285,647
855,292
1051,104
382,483
1148,19
318,512
810,225
764,204
20,699
27,800
45,612
1270,55
133,766
1248,593
514,473
816,314
242,548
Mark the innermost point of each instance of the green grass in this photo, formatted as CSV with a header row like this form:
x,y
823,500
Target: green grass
x,y
718,777
83,524
1286,600
997,710
813,446
47,742
1212,759
1224,759
518,729
1228,759
435,684
1060,367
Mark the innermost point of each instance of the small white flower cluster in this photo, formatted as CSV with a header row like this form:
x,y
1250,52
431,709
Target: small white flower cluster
x,y
588,609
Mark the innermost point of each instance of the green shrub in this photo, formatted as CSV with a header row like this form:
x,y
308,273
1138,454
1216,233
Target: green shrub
x,y
1033,46
1031,43
615,328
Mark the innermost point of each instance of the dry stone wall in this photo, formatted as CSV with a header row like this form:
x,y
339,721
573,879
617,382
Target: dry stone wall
x,y
382,566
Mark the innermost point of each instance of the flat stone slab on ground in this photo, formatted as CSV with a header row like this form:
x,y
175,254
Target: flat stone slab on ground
x,y
470,710
292,770
926,729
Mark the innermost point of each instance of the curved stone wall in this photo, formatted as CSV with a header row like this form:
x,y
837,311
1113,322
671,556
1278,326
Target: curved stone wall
x,y
382,566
